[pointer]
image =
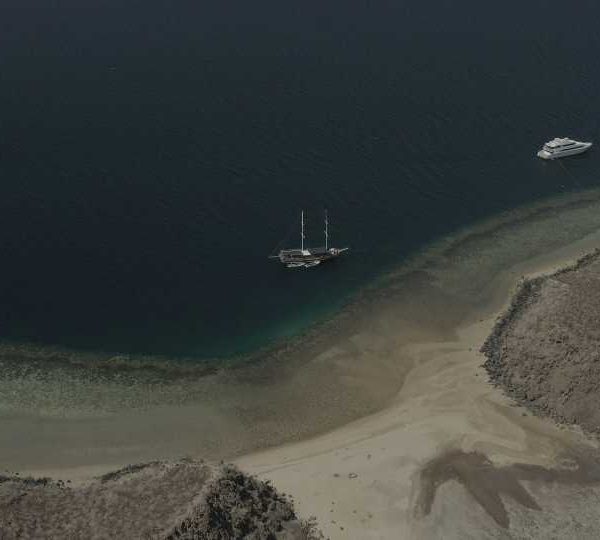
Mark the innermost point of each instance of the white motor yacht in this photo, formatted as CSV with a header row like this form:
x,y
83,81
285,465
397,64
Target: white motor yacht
x,y
557,148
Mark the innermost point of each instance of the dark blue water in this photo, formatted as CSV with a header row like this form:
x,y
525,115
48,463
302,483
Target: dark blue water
x,y
152,154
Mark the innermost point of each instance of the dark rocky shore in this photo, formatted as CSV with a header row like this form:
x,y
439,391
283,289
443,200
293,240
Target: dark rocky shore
x,y
545,351
159,500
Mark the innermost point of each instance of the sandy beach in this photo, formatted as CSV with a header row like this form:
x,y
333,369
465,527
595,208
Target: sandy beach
x,y
444,454
371,479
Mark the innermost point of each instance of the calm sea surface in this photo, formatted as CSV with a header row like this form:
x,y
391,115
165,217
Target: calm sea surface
x,y
153,154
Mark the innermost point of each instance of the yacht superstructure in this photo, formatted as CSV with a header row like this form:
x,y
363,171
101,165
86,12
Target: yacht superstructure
x,y
562,147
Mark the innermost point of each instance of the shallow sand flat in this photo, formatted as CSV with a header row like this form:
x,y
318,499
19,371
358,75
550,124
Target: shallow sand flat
x,y
369,479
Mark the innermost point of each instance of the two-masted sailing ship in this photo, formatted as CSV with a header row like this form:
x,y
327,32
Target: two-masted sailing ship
x,y
308,257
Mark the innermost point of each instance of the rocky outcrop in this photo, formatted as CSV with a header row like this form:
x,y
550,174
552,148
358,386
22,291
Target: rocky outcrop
x,y
545,351
159,500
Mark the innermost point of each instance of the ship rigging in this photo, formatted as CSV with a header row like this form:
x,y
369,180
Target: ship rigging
x,y
309,257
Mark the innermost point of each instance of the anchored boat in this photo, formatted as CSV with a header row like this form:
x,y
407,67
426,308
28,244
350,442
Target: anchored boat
x,y
308,257
558,148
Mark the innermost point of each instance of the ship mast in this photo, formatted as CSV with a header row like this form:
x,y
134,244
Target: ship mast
x,y
326,231
302,230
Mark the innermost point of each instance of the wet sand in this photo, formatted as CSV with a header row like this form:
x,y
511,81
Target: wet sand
x,y
400,367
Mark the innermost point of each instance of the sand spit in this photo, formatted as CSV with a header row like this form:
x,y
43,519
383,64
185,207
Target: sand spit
x,y
157,500
545,351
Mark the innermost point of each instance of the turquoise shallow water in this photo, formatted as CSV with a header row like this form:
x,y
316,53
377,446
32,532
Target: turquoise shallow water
x,y
151,157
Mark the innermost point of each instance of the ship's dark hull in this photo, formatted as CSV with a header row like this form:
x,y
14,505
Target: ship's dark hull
x,y
295,258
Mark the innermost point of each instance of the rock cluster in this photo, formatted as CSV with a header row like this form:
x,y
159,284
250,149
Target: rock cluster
x,y
545,351
158,500
236,505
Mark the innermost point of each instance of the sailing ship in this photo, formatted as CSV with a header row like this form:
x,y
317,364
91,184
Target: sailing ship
x,y
309,257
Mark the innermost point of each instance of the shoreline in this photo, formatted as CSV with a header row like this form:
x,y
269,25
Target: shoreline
x,y
374,349
190,365
367,479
